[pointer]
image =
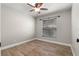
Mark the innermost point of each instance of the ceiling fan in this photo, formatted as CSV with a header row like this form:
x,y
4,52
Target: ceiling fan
x,y
37,7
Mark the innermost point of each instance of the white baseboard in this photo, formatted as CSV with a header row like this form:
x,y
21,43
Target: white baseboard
x,y
58,43
13,45
55,42
73,51
9,46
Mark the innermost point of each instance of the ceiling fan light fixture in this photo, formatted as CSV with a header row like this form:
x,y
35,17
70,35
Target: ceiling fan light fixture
x,y
37,9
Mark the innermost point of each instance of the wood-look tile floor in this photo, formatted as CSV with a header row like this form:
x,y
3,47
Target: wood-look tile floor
x,y
38,48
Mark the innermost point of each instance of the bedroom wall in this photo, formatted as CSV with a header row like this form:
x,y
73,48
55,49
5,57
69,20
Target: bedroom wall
x,y
16,26
63,33
75,28
0,22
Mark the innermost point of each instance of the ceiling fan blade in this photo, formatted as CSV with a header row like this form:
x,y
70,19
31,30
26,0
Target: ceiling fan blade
x,y
37,5
30,5
43,9
31,10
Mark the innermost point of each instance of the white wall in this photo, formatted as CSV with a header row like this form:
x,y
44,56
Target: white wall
x,y
0,22
0,28
16,26
75,28
63,26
